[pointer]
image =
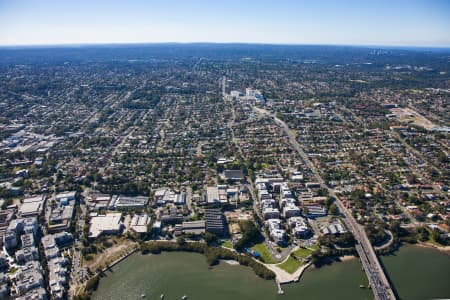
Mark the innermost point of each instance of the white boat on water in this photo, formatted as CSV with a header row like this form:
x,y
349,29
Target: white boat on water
x,y
162,296
143,296
184,297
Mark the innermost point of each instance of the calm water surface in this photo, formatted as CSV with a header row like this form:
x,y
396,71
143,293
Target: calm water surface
x,y
178,274
417,273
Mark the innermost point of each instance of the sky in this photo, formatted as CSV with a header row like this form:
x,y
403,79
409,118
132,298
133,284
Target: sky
x,y
333,22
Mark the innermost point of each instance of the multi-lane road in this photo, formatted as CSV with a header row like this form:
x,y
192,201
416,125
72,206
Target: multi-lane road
x,y
375,274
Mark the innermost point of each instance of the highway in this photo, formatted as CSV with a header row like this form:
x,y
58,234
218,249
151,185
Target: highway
x,y
375,274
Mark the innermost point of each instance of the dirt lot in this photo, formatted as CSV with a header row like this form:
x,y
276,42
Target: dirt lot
x,y
109,254
408,115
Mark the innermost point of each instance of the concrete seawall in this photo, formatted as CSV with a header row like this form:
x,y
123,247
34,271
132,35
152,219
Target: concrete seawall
x,y
134,250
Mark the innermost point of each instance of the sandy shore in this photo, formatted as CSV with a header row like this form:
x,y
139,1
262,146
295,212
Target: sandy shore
x,y
347,258
230,262
445,249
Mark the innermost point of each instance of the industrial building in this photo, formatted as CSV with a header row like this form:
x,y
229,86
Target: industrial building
x,y
193,227
139,223
105,224
32,207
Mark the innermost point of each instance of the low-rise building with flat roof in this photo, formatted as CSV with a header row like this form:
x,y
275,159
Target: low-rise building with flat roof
x,y
31,207
26,278
34,294
60,218
131,202
271,213
194,227
99,201
334,228
139,223
16,228
212,194
65,197
63,238
105,224
233,175
316,211
291,210
27,254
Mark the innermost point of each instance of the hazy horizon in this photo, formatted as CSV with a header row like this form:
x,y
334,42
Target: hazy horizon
x,y
136,44
415,23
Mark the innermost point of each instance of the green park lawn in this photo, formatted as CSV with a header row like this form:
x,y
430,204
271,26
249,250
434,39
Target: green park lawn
x,y
266,256
290,265
314,247
227,244
303,253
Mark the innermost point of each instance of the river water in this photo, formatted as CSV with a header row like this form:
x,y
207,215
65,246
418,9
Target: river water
x,y
179,273
419,273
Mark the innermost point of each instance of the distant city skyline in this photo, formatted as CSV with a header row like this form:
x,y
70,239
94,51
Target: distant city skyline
x,y
388,23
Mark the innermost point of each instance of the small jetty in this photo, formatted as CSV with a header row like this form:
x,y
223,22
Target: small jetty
x,y
280,290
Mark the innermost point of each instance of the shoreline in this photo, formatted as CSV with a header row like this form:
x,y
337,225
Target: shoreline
x,y
297,274
120,259
230,262
443,249
283,277
346,258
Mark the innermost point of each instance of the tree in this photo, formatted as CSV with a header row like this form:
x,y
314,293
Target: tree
x,y
435,235
375,232
329,201
322,192
181,241
412,179
250,235
333,210
210,238
422,234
